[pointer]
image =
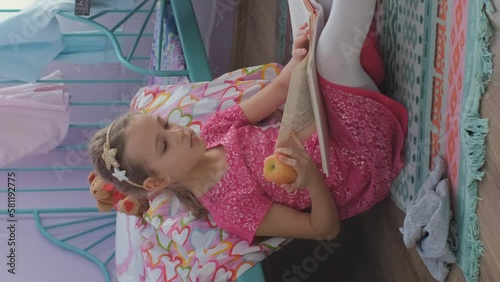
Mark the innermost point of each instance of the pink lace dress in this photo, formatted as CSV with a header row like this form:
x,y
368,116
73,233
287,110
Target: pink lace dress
x,y
367,132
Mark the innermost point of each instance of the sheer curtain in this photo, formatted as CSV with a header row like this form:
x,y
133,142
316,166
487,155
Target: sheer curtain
x,y
32,38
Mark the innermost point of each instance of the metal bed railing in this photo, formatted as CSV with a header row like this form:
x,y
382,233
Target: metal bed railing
x,y
197,69
196,59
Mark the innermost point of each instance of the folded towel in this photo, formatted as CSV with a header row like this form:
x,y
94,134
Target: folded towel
x,y
34,118
427,221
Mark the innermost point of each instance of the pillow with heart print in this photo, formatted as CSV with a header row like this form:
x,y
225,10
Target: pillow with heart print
x,y
192,104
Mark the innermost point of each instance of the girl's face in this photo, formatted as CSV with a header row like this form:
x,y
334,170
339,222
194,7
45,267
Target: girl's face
x,y
169,149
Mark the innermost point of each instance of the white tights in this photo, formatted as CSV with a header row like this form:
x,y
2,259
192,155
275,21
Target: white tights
x,y
340,43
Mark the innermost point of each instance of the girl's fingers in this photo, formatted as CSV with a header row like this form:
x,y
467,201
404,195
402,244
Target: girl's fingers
x,y
289,161
301,42
299,52
302,36
284,151
289,188
302,32
286,187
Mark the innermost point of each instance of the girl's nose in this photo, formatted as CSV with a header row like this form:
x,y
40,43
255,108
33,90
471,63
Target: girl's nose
x,y
176,132
180,133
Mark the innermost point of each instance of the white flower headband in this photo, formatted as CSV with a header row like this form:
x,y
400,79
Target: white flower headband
x,y
109,157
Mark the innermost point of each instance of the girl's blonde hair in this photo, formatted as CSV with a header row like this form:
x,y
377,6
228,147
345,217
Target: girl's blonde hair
x,y
136,171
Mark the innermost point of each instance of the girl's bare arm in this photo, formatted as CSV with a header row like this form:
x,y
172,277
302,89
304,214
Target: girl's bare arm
x,y
271,97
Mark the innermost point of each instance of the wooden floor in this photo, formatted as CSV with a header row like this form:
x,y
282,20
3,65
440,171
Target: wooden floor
x,y
370,246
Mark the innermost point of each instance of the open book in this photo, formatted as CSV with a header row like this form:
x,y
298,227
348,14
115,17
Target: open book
x,y
304,109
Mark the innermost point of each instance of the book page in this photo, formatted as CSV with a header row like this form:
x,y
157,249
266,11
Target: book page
x,y
304,111
298,115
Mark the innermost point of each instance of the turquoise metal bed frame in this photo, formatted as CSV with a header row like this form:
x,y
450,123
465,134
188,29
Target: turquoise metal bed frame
x,y
197,69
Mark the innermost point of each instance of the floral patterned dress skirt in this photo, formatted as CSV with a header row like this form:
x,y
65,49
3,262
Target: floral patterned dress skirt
x,y
367,132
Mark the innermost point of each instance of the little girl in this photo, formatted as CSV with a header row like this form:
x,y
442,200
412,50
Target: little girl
x,y
220,171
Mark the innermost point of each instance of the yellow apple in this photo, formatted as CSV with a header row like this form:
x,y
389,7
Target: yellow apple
x,y
277,171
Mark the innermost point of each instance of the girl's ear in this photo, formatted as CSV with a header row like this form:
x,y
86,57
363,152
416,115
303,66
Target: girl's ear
x,y
154,184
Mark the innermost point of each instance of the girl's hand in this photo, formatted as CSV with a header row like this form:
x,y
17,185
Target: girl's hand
x,y
301,43
300,49
297,157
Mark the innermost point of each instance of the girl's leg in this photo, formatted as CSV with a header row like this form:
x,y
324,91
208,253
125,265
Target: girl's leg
x,y
370,58
340,43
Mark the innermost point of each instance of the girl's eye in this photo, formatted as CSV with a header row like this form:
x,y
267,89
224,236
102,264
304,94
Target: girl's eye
x,y
165,142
